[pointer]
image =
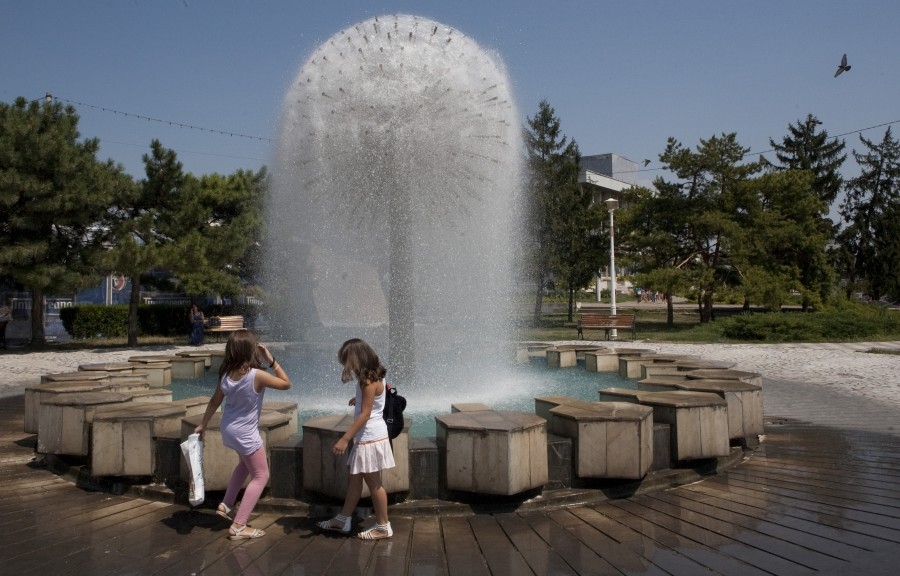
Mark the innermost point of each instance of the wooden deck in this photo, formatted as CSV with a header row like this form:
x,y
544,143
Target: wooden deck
x,y
811,500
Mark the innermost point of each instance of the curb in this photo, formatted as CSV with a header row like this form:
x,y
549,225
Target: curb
x,y
594,492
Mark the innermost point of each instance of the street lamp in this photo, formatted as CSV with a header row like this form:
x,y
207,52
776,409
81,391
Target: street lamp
x,y
611,205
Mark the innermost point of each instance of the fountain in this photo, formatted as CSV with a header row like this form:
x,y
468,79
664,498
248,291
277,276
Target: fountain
x,y
393,203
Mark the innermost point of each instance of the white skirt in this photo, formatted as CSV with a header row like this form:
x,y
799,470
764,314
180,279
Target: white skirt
x,y
371,456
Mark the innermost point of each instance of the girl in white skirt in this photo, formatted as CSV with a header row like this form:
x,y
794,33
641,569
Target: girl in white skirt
x,y
371,451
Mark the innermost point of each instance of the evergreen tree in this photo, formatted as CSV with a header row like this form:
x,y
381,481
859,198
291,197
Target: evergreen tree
x,y
219,232
138,223
869,213
576,246
653,239
549,162
779,244
202,230
709,201
808,148
54,194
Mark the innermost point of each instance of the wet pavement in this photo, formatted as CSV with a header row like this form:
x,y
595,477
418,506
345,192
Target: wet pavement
x,y
820,495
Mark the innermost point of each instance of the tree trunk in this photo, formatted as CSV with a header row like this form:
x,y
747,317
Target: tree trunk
x,y
706,314
538,301
38,336
670,311
133,303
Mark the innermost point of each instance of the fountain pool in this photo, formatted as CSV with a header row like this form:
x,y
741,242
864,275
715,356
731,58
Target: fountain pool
x,y
317,388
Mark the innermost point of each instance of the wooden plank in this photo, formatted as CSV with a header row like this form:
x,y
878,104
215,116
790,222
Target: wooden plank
x,y
753,555
711,554
541,557
739,529
595,523
756,507
844,502
426,555
809,510
73,547
501,556
747,518
461,548
389,556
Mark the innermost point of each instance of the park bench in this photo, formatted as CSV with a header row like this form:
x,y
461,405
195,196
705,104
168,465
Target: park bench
x,y
606,322
226,325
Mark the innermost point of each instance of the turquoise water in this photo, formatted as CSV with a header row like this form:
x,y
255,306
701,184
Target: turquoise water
x,y
319,391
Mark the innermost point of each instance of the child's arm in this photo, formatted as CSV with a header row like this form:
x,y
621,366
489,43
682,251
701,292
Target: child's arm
x,y
365,412
278,381
214,402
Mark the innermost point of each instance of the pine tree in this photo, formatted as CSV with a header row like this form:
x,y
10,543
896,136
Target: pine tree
x,y
54,194
807,148
550,169
869,213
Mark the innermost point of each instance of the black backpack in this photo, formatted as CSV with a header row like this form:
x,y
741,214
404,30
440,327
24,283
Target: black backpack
x,y
394,405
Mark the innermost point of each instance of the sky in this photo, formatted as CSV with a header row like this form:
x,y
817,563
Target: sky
x,y
207,77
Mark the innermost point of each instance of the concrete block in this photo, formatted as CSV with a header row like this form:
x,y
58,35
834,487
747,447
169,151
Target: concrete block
x,y
468,407
611,439
64,421
193,405
123,437
287,468
601,361
289,409
559,358
327,474
424,469
79,376
493,452
559,462
35,394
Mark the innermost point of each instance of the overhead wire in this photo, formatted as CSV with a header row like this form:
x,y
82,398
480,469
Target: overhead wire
x,y
231,133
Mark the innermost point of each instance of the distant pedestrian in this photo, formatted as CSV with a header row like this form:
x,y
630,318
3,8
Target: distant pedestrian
x,y
242,383
371,451
198,325
5,318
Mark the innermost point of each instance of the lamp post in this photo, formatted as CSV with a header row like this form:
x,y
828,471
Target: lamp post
x,y
611,205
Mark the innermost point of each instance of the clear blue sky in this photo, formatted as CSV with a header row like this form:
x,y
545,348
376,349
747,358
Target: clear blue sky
x,y
622,76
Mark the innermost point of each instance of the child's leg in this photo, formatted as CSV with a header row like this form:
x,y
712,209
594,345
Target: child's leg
x,y
236,482
258,466
378,495
354,493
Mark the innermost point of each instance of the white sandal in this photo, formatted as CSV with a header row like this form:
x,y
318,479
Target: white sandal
x,y
240,535
336,524
377,532
225,512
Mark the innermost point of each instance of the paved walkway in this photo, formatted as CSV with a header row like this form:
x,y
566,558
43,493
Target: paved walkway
x,y
820,496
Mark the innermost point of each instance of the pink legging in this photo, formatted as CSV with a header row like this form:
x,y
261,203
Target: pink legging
x,y
257,467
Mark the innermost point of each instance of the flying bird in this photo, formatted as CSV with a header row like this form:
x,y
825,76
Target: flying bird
x,y
646,163
843,67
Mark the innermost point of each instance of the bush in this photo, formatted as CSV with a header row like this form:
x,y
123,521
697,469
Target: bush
x,y
92,321
832,325
95,321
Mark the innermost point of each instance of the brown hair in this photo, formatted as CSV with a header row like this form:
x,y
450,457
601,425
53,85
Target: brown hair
x,y
360,361
240,352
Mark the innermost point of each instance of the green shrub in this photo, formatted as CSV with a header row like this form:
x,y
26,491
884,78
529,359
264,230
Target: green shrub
x,y
96,321
831,325
93,321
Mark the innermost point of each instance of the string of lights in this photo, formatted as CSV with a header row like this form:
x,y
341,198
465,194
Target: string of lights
x,y
751,153
49,97
160,120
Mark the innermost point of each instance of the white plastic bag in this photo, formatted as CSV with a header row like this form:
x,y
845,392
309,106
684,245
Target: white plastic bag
x,y
192,448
